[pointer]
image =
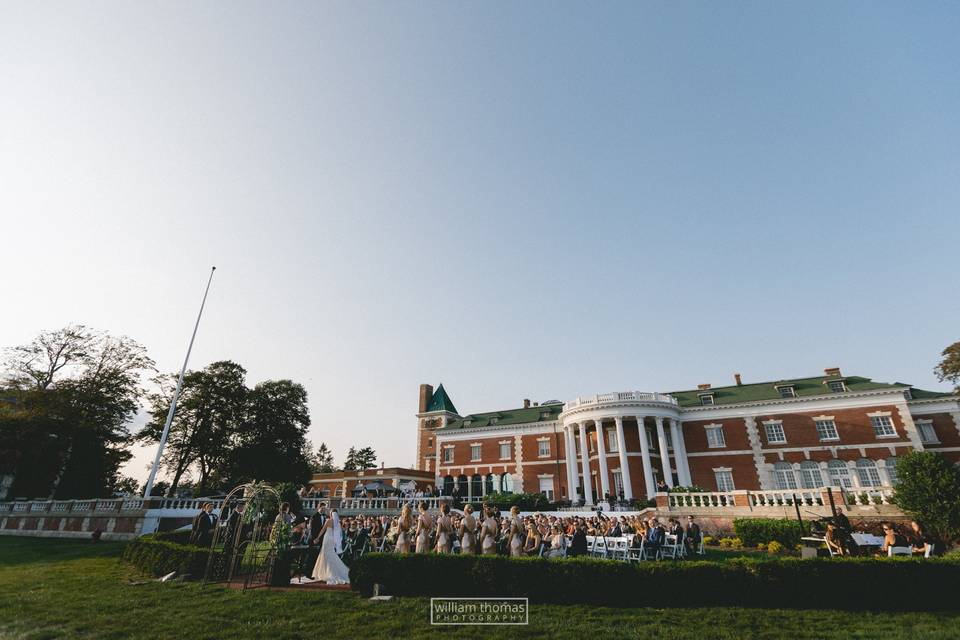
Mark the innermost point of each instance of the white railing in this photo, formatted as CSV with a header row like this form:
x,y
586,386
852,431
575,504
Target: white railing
x,y
867,496
39,506
708,499
619,396
786,498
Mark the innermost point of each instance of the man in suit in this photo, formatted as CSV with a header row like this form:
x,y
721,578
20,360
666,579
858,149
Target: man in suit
x,y
616,530
693,535
315,536
655,536
201,534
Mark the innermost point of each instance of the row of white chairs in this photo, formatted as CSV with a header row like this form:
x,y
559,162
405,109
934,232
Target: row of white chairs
x,y
621,548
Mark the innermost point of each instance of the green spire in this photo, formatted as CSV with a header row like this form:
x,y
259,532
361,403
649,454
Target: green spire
x,y
441,401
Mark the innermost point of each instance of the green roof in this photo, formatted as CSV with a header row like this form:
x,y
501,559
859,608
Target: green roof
x,y
759,391
524,415
440,401
923,394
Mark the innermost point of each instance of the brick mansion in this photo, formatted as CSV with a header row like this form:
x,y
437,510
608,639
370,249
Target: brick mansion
x,y
804,433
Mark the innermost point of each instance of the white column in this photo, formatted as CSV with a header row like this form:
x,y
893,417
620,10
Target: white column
x,y
570,447
585,463
680,453
664,455
645,455
602,453
624,469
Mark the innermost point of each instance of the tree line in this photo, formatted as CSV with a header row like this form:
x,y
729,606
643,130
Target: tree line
x,y
68,399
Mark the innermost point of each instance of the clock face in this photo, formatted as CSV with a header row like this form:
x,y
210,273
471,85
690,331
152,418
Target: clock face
x,y
432,423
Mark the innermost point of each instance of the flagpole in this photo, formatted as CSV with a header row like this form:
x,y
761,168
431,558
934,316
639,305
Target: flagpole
x,y
176,395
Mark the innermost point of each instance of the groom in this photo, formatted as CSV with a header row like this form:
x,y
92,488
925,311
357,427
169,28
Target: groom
x,y
315,537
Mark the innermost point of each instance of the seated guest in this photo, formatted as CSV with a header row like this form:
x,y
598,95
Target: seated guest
x,y
921,540
558,542
531,545
676,530
891,538
655,537
615,531
578,546
833,541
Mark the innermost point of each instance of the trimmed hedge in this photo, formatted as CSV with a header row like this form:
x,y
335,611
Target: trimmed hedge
x,y
753,531
827,583
159,557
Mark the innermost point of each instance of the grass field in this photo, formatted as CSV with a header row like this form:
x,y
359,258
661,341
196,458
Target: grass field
x,y
67,589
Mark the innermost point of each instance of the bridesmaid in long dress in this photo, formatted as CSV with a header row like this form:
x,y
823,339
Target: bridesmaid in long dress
x,y
516,532
488,533
444,530
468,532
404,524
424,525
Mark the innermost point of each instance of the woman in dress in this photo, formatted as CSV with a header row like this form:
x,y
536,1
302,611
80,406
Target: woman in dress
x,y
468,531
488,534
516,532
329,567
558,542
404,524
531,546
444,530
424,525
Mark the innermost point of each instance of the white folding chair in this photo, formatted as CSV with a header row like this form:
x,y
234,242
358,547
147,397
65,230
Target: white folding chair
x,y
899,551
637,554
669,548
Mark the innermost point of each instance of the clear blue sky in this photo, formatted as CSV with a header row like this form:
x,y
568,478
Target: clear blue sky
x,y
533,199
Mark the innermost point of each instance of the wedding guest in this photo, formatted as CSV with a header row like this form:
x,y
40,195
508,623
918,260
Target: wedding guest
x,y
404,525
468,531
444,530
578,545
615,531
655,537
424,526
234,533
531,545
891,538
921,540
692,536
516,532
204,523
284,516
558,542
832,540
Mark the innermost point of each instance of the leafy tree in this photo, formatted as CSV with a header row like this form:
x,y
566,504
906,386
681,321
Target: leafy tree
x,y
128,486
322,460
74,392
949,368
271,443
210,413
365,458
927,490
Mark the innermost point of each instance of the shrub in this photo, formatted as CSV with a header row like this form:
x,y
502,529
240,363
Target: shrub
x,y
710,541
762,546
736,542
753,531
178,537
775,547
726,542
745,582
159,557
526,501
927,490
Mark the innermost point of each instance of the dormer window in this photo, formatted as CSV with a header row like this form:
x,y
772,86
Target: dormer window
x,y
467,421
493,421
836,386
544,415
786,391
907,394
706,399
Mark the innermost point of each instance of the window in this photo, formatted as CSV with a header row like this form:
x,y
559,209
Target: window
x,y
650,439
612,439
836,386
867,473
492,421
429,442
883,427
891,465
546,487
839,474
506,483
724,479
927,434
474,452
786,391
775,434
668,435
448,455
783,471
810,477
476,485
617,483
543,448
715,437
706,399
827,430
504,450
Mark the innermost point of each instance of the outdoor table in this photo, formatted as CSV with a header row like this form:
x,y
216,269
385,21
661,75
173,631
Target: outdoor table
x,y
811,545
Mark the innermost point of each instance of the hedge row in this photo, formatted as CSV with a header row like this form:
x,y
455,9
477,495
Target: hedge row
x,y
159,557
832,583
753,531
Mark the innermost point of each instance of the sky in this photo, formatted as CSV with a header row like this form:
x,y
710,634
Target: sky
x,y
519,200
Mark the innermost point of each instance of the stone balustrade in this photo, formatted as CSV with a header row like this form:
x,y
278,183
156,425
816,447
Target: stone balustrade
x,y
857,500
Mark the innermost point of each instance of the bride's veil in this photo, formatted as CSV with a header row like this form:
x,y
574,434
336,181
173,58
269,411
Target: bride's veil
x,y
337,534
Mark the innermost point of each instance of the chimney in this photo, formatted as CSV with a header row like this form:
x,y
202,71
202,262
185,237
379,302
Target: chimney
x,y
736,377
536,404
832,371
703,387
526,403
426,392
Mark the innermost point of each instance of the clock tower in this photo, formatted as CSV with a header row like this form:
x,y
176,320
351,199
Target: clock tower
x,y
436,410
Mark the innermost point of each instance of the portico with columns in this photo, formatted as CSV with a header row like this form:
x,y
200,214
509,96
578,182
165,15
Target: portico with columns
x,y
621,443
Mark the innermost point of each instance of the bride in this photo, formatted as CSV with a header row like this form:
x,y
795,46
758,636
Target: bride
x,y
330,567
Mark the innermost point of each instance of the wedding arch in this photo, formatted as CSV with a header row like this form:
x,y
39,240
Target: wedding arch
x,y
243,547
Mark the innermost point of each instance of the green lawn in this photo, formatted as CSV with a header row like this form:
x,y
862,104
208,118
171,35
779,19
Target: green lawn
x,y
66,589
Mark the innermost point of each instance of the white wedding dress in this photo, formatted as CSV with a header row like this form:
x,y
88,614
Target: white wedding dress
x,y
330,567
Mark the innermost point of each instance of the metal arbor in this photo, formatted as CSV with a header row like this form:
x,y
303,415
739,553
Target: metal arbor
x,y
241,550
